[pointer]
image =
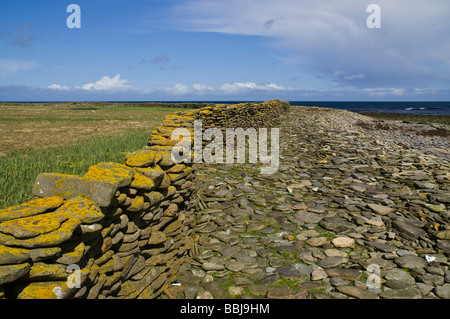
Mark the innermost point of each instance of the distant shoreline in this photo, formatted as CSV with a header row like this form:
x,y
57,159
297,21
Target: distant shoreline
x,y
406,108
411,118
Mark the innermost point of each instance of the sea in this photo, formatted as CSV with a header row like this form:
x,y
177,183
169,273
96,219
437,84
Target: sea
x,y
417,108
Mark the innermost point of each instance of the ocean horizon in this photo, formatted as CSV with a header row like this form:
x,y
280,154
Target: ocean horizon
x,y
405,107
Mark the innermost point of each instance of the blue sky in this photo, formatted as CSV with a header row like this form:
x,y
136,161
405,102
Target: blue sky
x,y
224,50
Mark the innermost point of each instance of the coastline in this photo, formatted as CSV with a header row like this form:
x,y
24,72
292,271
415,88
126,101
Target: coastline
x,y
443,119
428,133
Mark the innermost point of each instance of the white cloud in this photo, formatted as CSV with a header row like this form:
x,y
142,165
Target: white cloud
x,y
179,89
58,87
107,84
11,66
116,84
378,91
321,36
202,88
427,91
238,87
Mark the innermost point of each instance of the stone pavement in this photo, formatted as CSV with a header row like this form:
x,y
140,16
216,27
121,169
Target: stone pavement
x,y
347,215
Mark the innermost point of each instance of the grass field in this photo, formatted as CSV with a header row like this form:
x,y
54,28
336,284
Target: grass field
x,y
63,138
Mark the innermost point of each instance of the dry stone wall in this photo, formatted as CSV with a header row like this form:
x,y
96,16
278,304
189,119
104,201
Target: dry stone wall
x,y
121,230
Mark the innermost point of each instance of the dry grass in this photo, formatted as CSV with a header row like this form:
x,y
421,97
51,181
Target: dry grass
x,y
60,138
38,126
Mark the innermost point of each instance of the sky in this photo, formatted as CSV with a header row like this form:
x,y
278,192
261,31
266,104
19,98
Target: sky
x,y
225,50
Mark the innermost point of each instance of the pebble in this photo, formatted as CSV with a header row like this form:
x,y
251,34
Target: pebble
x,y
406,293
380,209
346,202
443,291
318,274
357,292
316,242
343,242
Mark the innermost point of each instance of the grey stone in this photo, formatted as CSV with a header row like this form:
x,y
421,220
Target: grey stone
x,y
381,246
407,293
212,266
331,262
397,284
344,273
408,229
285,292
216,290
191,291
443,291
430,279
357,292
444,245
412,262
308,218
269,279
294,271
401,275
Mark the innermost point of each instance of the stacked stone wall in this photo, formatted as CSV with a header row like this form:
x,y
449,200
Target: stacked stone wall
x,y
121,230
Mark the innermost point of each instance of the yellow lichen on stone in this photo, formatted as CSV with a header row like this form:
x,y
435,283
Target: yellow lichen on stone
x,y
54,238
63,185
154,197
159,136
32,226
178,168
171,190
10,255
166,159
141,158
82,209
31,208
10,273
142,182
73,252
137,204
45,290
42,271
104,179
111,173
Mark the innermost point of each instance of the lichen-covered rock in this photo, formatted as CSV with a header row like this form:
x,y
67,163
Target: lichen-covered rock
x,y
10,255
30,208
141,158
10,273
45,290
99,184
157,237
39,254
82,209
33,226
63,185
72,253
53,238
154,197
104,179
43,272
137,204
142,182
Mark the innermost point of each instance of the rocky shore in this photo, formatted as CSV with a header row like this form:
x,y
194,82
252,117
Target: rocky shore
x,y
359,208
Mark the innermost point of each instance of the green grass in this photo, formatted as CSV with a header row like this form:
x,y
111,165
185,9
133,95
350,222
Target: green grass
x,y
19,169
